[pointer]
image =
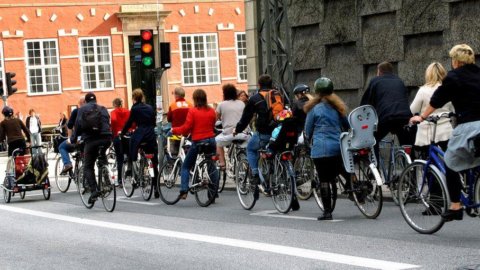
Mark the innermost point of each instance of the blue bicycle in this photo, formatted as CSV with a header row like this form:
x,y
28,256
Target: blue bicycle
x,y
423,192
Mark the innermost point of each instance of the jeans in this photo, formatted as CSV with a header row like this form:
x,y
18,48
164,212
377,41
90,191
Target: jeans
x,y
64,149
257,141
36,140
91,154
190,160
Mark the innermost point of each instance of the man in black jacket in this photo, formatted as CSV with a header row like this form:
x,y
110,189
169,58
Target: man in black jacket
x,y
93,140
388,95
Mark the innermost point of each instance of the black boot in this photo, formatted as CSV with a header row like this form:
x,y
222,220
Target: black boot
x,y
327,202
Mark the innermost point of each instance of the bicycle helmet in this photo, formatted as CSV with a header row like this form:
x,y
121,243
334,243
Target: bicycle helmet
x,y
284,114
301,89
7,111
323,86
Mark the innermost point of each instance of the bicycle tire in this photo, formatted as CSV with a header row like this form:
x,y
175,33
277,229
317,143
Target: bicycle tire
x,y
318,194
204,178
127,182
62,181
401,162
47,190
107,190
304,167
366,193
146,182
7,195
282,188
83,188
241,155
414,201
169,182
245,190
476,192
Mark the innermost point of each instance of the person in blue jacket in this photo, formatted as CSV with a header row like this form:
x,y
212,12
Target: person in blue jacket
x,y
326,117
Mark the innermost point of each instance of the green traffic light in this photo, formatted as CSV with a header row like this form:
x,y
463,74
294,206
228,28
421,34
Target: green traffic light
x,y
147,61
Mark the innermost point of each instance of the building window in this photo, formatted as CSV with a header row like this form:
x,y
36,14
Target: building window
x,y
43,69
200,63
241,48
96,63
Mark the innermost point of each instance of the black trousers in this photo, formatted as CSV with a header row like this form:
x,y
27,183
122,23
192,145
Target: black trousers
x,y
17,144
396,127
454,185
91,154
328,168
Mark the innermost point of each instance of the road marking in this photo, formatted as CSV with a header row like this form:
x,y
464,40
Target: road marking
x,y
275,214
236,243
128,200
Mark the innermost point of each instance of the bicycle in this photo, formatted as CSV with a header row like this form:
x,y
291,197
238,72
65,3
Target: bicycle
x,y
423,192
203,180
392,160
63,181
142,174
304,170
236,151
106,187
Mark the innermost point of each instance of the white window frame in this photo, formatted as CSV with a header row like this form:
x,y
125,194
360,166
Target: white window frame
x,y
2,68
205,59
239,79
43,67
96,64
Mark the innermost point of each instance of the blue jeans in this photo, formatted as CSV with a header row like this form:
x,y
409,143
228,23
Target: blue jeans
x,y
65,148
257,142
190,160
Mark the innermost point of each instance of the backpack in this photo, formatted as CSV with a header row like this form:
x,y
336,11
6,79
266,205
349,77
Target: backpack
x,y
275,103
92,119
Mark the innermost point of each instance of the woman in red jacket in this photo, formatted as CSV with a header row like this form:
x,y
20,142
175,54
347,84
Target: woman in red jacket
x,y
200,124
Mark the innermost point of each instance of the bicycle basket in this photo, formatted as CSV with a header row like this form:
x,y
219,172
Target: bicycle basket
x,y
173,145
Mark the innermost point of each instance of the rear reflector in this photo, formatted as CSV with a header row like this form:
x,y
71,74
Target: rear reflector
x,y
149,156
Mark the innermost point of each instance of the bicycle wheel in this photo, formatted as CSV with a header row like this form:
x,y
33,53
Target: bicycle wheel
x,y
282,188
245,190
367,194
304,168
107,190
317,194
83,188
205,181
236,169
62,181
146,183
7,195
169,181
401,161
47,190
422,197
127,182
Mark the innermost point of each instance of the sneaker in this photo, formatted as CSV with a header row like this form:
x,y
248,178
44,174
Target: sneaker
x,y
66,169
450,215
93,197
325,216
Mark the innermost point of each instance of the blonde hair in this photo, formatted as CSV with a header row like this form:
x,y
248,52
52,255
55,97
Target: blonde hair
x,y
334,100
138,96
462,53
434,74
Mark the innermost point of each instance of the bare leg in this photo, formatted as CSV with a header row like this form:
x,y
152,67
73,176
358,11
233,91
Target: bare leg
x,y
221,156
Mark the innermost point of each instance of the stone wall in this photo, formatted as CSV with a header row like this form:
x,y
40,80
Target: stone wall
x,y
346,39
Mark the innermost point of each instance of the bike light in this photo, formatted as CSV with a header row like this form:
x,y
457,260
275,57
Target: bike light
x,y
215,157
363,152
287,156
149,156
407,149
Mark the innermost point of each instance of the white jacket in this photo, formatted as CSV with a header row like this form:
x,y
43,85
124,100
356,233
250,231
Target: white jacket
x,y
425,129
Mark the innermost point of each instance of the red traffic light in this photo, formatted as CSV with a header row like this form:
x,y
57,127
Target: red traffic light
x,y
146,35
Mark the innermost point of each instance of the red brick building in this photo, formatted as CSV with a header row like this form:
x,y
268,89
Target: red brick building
x,y
60,49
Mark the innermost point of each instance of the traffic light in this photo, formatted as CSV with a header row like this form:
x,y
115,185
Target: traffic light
x,y
147,47
10,83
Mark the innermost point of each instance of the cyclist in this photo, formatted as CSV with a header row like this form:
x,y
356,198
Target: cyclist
x,y
66,146
229,111
301,98
119,117
143,115
178,110
11,129
93,139
388,95
326,117
200,124
461,86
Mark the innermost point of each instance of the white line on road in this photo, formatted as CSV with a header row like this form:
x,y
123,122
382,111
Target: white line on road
x,y
237,243
275,214
128,200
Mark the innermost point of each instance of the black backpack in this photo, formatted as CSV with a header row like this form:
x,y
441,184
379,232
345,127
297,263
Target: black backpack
x,y
92,120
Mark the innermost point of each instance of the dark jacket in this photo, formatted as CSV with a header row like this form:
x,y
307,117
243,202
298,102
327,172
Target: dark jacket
x,y
27,123
11,129
256,105
73,119
143,116
388,95
299,113
86,134
462,88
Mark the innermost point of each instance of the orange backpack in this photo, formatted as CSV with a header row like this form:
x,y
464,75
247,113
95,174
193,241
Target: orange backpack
x,y
275,103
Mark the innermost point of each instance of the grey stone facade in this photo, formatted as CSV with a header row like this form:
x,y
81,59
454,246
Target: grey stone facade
x,y
346,39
